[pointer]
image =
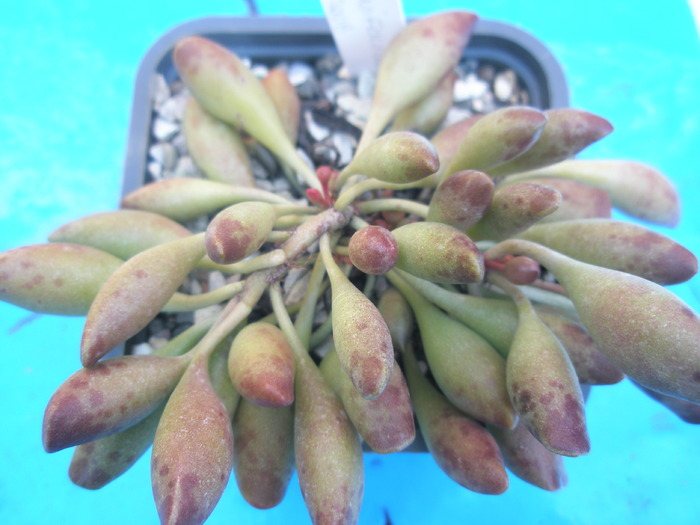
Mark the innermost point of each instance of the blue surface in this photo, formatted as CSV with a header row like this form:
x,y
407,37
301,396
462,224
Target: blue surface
x,y
65,90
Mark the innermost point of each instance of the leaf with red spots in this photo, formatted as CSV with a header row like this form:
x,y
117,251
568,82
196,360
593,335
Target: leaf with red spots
x,y
192,453
461,199
424,51
529,459
578,200
543,386
619,245
99,462
261,365
55,278
567,132
108,397
263,458
238,231
373,250
647,331
498,137
448,139
461,446
468,370
135,293
438,252
385,422
634,187
515,208
327,450
592,366
361,337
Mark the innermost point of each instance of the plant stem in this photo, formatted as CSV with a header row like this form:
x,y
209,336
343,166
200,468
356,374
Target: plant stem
x,y
290,209
405,205
181,302
261,262
234,313
305,317
307,233
515,292
285,322
327,255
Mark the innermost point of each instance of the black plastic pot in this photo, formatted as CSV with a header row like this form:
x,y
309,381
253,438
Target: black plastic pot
x,y
274,39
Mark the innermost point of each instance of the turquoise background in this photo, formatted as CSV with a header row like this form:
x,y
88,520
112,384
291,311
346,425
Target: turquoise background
x,y
66,78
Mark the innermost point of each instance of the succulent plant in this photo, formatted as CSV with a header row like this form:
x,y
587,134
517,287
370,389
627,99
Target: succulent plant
x,y
471,276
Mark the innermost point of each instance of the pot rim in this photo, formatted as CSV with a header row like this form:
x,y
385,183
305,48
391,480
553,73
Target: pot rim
x,y
290,38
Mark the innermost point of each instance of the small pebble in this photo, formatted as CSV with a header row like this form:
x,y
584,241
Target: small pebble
x,y
142,349
216,280
185,168
504,85
470,88
164,130
155,170
173,109
165,154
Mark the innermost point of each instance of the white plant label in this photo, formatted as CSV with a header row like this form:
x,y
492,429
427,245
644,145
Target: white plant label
x,y
362,29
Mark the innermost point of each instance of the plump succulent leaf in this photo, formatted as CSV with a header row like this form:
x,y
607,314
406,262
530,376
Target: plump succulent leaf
x,y
578,200
216,147
399,157
362,339
385,422
529,459
515,208
424,51
468,370
192,453
108,397
619,245
184,199
238,231
438,252
567,132
542,383
373,250
55,278
263,456
645,329
327,450
261,365
497,138
135,293
227,89
461,446
461,199
123,233
285,99
426,115
97,463
634,187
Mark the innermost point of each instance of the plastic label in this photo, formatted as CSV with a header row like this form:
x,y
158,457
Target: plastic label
x,y
362,30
